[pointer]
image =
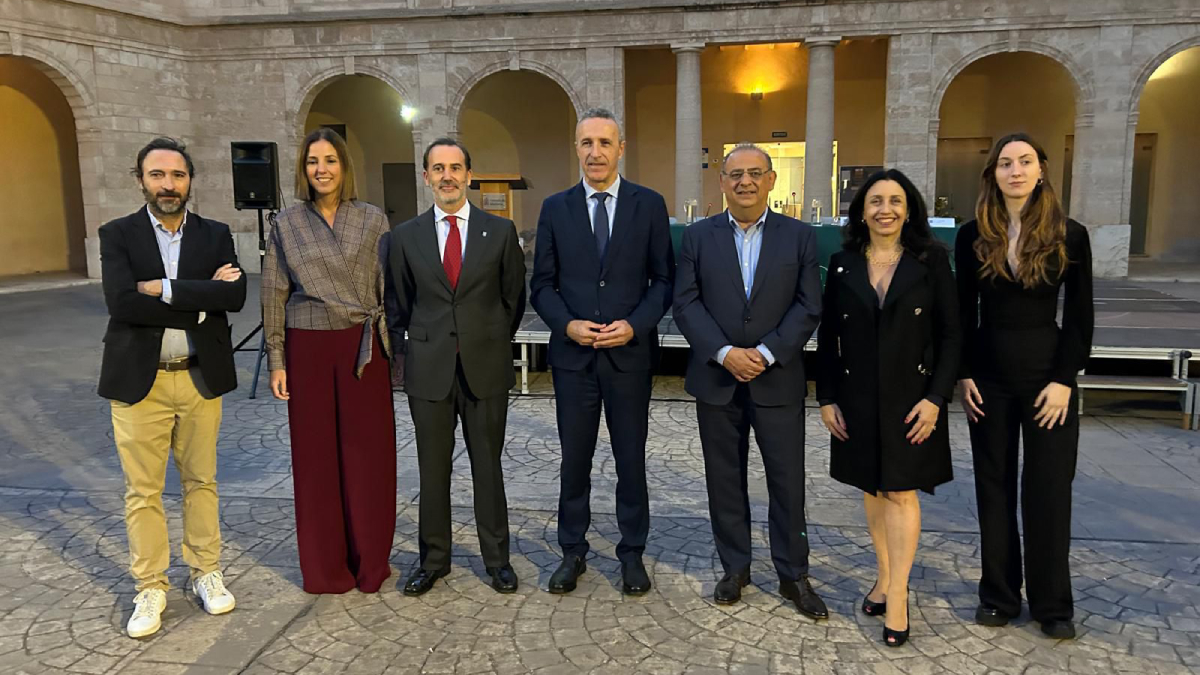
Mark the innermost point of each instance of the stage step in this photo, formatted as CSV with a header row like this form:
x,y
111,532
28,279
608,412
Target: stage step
x,y
1186,389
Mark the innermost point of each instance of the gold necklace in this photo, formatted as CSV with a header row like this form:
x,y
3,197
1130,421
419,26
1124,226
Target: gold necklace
x,y
887,262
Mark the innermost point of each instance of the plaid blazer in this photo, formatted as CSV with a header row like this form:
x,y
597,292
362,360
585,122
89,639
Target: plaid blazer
x,y
319,278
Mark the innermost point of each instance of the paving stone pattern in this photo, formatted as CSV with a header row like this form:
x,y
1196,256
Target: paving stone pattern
x,y
65,593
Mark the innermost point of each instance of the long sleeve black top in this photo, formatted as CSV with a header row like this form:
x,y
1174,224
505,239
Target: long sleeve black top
x,y
1010,332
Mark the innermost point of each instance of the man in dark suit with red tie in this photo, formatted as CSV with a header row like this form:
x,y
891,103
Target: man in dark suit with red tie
x,y
602,276
457,286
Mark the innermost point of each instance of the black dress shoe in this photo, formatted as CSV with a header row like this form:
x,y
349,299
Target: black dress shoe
x,y
504,579
1059,629
871,608
806,599
986,615
421,580
634,579
564,578
729,588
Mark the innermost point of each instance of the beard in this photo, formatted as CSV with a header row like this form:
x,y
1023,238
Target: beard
x,y
443,198
162,206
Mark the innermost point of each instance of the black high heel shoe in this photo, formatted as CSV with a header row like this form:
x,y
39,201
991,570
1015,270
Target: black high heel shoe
x,y
896,638
873,608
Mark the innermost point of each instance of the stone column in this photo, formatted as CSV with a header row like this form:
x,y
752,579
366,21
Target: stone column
x,y
818,132
1100,176
688,171
91,178
606,80
606,85
431,121
910,134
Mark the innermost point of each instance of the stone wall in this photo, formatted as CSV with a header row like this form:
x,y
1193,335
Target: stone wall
x,y
212,71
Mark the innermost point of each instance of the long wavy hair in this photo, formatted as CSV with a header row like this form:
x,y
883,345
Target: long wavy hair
x,y
1042,250
915,236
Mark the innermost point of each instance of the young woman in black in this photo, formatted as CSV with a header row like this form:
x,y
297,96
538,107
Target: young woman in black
x,y
888,352
1018,379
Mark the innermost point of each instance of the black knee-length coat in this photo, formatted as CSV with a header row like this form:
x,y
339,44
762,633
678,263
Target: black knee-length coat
x,y
877,362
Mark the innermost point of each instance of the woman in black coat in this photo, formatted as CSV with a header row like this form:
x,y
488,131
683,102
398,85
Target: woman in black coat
x,y
888,354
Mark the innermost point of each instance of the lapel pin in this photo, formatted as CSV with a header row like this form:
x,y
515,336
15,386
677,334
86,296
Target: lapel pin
x,y
485,233
917,311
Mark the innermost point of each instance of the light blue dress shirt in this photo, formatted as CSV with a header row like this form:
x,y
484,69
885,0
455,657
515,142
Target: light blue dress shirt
x,y
175,342
749,248
610,204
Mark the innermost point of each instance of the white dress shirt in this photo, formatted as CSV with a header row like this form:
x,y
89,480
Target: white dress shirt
x,y
610,203
443,227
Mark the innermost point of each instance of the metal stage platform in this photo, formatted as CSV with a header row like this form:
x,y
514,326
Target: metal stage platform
x,y
1133,322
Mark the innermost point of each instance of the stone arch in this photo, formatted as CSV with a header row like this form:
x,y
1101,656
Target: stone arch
x,y
56,111
319,81
959,136
1083,86
454,110
1157,199
1143,76
77,93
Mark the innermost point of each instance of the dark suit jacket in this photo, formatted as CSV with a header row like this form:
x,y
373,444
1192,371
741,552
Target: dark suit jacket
x,y
129,254
782,312
474,323
876,363
633,283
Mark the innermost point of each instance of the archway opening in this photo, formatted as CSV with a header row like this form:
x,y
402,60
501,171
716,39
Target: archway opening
x,y
43,230
534,139
371,116
1164,200
992,97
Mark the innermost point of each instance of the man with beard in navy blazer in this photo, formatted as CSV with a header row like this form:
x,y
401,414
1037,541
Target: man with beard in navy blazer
x,y
748,299
602,276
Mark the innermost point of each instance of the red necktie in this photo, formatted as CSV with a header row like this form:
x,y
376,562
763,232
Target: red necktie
x,y
452,258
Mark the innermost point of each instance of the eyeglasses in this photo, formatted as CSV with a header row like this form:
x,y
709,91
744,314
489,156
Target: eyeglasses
x,y
736,175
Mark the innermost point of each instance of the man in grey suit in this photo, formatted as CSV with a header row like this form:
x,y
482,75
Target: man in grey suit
x,y
457,286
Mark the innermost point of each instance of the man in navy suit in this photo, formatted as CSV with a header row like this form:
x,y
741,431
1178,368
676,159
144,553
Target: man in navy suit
x,y
748,299
602,275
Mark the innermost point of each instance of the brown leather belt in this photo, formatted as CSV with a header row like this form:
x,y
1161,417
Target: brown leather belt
x,y
177,364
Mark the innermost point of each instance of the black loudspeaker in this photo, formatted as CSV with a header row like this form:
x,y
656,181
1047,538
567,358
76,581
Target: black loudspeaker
x,y
255,175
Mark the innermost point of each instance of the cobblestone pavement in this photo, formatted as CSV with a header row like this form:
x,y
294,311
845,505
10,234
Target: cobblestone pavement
x,y
65,593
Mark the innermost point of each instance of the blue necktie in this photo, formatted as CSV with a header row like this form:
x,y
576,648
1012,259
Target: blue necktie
x,y
600,224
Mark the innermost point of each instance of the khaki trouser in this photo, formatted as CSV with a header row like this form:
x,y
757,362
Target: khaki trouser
x,y
173,415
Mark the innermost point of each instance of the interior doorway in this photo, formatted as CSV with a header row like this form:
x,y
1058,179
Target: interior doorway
x,y
1140,196
960,161
399,191
787,158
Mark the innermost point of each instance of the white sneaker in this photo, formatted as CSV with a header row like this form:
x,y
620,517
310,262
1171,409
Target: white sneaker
x,y
148,607
211,590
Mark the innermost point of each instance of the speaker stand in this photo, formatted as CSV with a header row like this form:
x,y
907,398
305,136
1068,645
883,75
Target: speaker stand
x,y
258,330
